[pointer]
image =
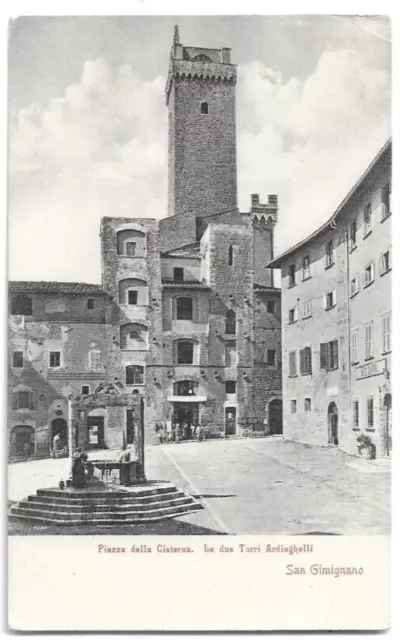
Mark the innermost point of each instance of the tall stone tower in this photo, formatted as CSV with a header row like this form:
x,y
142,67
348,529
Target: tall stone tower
x,y
200,95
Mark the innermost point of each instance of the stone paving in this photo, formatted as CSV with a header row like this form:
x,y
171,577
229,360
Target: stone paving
x,y
254,486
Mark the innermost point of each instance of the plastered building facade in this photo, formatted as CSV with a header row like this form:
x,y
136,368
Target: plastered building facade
x,y
190,318
336,322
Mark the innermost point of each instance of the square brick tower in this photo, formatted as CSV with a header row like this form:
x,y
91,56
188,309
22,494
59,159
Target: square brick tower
x,y
200,95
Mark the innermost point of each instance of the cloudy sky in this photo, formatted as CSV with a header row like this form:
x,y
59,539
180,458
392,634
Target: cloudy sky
x,y
88,126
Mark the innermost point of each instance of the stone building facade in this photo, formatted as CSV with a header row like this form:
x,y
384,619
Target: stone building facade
x,y
336,321
190,318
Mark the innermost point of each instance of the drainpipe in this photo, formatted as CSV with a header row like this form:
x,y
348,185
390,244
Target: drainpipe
x,y
334,226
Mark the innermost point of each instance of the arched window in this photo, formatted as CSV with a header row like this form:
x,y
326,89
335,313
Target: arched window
x,y
230,322
185,388
201,58
131,243
184,352
133,337
133,291
230,256
184,309
21,306
204,107
134,374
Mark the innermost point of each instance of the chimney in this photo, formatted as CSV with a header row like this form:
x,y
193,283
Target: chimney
x,y
255,199
176,35
225,55
273,199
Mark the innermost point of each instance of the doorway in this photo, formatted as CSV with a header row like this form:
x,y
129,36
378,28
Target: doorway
x,y
275,417
22,441
387,429
333,424
59,427
230,421
185,415
95,432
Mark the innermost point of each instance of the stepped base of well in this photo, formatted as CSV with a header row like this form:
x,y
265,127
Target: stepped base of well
x,y
105,505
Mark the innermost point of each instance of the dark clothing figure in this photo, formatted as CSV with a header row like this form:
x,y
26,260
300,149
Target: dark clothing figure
x,y
78,473
124,473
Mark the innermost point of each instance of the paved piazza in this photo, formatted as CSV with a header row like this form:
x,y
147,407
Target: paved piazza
x,y
255,486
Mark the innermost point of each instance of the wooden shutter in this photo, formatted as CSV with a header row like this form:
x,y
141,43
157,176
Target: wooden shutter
x,y
31,399
323,354
334,297
302,359
335,354
15,400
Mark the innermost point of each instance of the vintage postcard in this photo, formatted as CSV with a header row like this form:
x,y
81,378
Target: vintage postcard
x,y
200,329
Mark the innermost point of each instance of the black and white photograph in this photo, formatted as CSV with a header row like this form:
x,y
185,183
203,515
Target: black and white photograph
x,y
199,277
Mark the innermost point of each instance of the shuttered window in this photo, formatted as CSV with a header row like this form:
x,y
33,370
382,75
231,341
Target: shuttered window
x,y
386,341
354,346
24,400
292,364
329,355
305,361
356,414
370,412
368,340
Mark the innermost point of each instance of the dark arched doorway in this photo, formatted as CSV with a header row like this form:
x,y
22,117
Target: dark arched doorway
x,y
22,441
333,424
275,417
387,425
59,427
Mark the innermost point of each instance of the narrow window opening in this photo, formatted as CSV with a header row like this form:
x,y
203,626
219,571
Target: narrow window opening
x,y
204,108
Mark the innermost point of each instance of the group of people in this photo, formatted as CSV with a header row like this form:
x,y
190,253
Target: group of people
x,y
175,432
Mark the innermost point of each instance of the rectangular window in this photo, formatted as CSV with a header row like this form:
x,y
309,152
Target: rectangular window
x,y
329,355
292,275
85,390
131,249
178,274
329,255
18,359
185,352
306,267
271,357
370,412
292,364
307,309
55,358
386,200
90,303
368,340
230,354
367,219
386,333
305,361
356,414
230,387
330,300
385,262
354,286
270,306
307,404
369,274
353,235
354,346
293,315
132,297
23,400
94,359
293,406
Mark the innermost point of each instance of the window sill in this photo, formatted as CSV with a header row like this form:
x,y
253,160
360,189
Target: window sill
x,y
291,377
307,317
333,369
368,233
356,428
308,373
352,248
369,284
369,358
370,429
385,272
329,266
353,295
386,217
307,278
291,286
355,362
293,322
330,308
386,353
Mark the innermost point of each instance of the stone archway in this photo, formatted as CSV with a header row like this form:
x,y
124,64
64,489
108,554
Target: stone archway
x,y
22,440
333,424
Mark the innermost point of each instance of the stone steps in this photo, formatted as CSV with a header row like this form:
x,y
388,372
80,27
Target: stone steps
x,y
105,506
36,503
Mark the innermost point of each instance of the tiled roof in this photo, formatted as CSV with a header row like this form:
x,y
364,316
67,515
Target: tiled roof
x,y
22,286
